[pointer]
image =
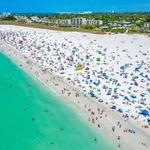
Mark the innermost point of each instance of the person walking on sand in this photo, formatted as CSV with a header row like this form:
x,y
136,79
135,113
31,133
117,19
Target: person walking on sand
x,y
113,128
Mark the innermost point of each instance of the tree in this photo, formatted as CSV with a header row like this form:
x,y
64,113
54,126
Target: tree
x,y
148,18
10,18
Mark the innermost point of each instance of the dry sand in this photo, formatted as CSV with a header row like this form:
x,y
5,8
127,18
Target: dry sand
x,y
98,115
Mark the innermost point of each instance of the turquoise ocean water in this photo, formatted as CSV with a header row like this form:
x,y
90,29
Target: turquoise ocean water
x,y
31,118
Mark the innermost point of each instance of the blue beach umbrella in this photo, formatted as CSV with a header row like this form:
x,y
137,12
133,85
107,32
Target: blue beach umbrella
x,y
144,112
115,96
113,107
133,96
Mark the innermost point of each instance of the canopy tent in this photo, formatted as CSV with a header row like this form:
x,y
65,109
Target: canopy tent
x,y
79,67
98,59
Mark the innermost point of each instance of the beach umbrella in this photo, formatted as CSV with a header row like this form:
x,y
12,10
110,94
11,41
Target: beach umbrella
x,y
100,100
122,67
126,98
113,107
125,115
96,83
115,96
133,96
144,112
92,94
142,94
120,110
108,93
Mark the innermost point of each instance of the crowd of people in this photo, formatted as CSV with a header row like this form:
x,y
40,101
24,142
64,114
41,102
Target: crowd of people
x,y
112,69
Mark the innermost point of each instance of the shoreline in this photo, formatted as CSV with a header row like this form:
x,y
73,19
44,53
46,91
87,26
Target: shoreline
x,y
21,63
84,105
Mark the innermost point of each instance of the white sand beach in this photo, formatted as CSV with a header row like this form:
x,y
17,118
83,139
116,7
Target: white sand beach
x,y
104,78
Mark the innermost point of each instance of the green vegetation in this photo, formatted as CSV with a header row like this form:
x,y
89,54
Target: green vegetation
x,y
137,21
147,18
87,27
100,16
9,18
98,59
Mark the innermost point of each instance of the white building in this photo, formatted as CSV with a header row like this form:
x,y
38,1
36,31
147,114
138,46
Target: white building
x,y
94,22
147,24
78,21
84,21
35,18
65,22
19,17
119,24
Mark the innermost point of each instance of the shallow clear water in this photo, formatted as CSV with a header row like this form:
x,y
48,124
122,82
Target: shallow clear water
x,y
31,118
